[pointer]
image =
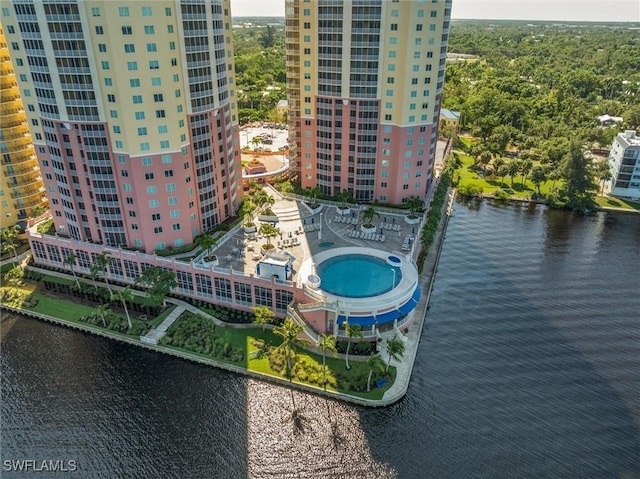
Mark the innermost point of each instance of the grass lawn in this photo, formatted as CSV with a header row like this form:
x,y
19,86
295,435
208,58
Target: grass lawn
x,y
491,184
73,311
6,267
613,202
253,361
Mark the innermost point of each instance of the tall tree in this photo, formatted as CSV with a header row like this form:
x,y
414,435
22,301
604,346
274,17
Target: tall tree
x,y
525,168
101,312
352,331
395,350
159,283
576,171
513,167
101,262
263,316
289,331
123,296
14,276
70,261
538,176
375,363
603,173
9,239
326,343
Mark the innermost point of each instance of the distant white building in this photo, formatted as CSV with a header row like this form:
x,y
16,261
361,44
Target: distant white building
x,y
624,161
608,120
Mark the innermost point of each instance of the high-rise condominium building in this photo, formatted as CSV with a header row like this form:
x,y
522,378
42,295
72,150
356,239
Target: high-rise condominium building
x,y
365,79
624,161
21,187
132,110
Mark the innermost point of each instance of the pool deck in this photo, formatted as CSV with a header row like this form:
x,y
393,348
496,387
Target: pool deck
x,y
243,254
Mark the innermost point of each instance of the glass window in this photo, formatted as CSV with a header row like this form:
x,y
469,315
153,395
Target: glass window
x,y
123,11
149,30
134,82
154,203
146,11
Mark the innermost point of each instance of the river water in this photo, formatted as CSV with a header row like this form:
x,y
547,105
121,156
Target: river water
x,y
529,367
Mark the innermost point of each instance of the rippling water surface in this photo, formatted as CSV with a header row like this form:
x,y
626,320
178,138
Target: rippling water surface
x,y
528,367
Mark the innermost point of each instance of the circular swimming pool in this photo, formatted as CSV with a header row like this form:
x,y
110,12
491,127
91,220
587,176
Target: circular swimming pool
x,y
358,276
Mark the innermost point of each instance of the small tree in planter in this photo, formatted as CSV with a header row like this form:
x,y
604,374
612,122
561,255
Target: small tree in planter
x,y
269,231
344,197
313,197
415,205
207,242
367,217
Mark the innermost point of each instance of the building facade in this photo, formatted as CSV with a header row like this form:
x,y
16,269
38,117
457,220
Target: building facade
x,y
21,188
133,115
365,80
624,161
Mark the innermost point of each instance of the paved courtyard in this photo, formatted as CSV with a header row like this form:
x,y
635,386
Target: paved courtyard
x,y
303,234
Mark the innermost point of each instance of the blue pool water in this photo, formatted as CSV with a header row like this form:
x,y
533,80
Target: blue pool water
x,y
358,276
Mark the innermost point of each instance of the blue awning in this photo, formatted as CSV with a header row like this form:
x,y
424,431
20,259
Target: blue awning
x,y
416,295
388,317
359,320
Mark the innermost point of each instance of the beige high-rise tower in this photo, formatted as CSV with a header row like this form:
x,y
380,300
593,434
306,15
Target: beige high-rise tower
x,y
21,188
132,110
365,79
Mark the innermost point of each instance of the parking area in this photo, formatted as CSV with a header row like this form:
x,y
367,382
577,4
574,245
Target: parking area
x,y
273,136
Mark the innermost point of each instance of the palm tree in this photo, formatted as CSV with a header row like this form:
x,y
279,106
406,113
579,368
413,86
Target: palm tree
x,y
9,239
70,261
206,241
256,141
344,197
525,168
101,262
262,198
326,343
368,214
352,331
14,276
123,296
268,230
263,316
603,172
289,332
415,204
101,311
395,350
375,363
159,282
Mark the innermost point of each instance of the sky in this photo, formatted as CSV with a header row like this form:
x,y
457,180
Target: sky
x,y
567,10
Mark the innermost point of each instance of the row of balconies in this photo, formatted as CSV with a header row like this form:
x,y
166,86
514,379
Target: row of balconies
x,y
26,192
9,172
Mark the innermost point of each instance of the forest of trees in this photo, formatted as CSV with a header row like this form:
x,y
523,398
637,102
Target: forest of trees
x,y
533,90
259,63
536,91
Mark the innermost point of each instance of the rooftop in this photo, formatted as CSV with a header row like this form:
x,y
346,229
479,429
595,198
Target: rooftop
x,y
304,234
